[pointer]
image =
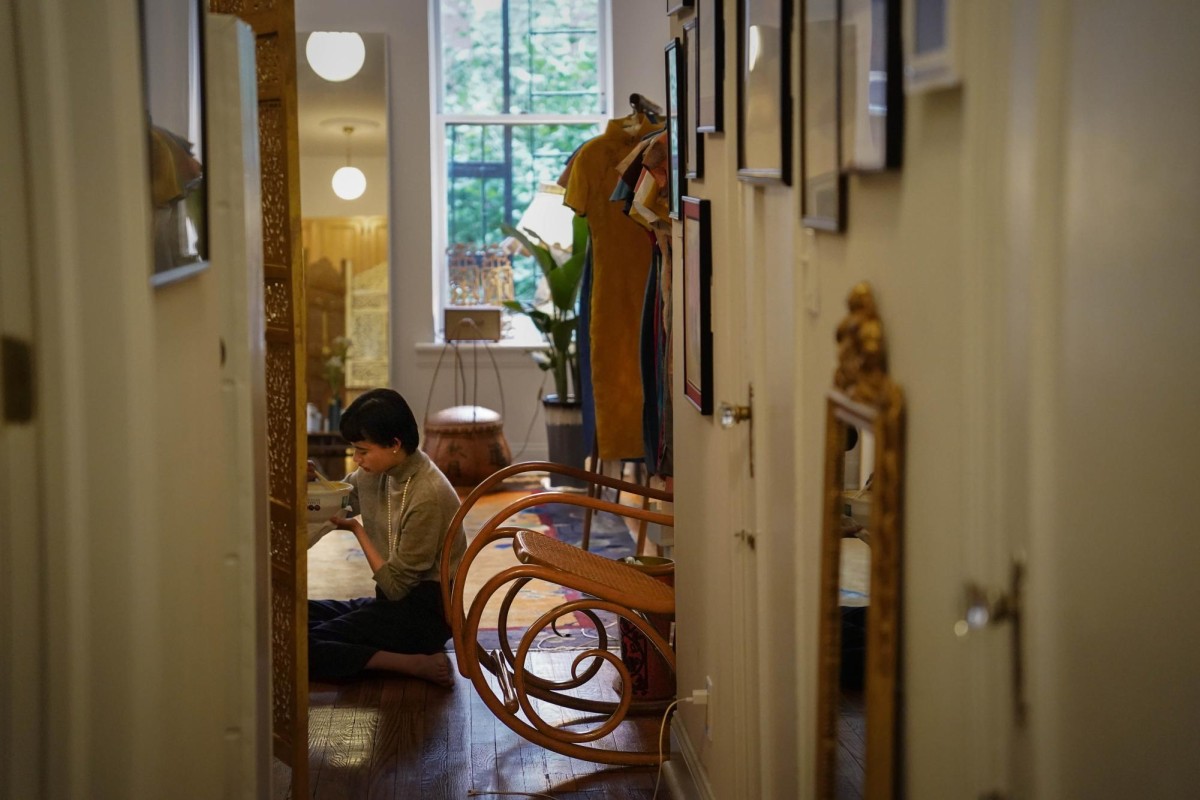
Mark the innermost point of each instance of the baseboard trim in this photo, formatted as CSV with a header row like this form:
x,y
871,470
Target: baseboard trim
x,y
684,776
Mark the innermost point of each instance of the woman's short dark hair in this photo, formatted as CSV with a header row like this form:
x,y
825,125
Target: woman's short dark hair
x,y
381,416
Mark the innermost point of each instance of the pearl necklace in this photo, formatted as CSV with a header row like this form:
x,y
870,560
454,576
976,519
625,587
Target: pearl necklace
x,y
392,533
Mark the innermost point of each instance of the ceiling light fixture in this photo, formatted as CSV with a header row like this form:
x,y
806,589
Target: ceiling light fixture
x,y
349,183
335,56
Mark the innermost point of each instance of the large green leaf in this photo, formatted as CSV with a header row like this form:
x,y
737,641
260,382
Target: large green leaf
x,y
562,332
539,251
564,284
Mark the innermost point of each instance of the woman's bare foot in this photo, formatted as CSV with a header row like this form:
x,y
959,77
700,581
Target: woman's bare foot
x,y
434,668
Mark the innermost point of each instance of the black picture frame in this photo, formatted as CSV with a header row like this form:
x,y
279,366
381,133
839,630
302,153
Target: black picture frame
x,y
173,91
822,182
872,103
675,118
709,84
693,143
697,304
764,91
675,6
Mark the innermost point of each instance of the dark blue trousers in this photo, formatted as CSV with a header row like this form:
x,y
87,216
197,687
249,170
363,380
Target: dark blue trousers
x,y
344,634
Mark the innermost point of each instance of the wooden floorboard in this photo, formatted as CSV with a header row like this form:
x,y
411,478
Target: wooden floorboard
x,y
392,738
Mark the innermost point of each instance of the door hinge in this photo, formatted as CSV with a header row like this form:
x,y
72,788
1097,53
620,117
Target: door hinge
x,y
16,378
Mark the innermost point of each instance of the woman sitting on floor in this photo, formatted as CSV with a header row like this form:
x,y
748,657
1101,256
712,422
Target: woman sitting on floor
x,y
406,504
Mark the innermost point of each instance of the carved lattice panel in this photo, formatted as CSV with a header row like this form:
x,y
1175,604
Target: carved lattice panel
x,y
283,666
274,25
281,449
272,132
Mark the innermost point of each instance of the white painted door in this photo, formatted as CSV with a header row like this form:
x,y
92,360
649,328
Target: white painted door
x,y
20,553
1109,251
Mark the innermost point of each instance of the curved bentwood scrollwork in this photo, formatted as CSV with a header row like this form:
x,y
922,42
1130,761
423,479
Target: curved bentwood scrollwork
x,y
857,708
504,679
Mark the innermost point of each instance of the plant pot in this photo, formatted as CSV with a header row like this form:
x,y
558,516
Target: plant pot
x,y
564,436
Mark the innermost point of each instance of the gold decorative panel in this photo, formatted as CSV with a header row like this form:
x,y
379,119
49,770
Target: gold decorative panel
x,y
281,453
244,7
278,303
283,665
268,65
276,226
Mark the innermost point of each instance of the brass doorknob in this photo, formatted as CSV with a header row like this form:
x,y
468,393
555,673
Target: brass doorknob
x,y
731,415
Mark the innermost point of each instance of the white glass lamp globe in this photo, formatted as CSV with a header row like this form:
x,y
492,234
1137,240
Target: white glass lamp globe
x,y
349,183
335,56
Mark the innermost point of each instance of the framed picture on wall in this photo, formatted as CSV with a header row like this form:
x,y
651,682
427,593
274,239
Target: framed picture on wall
x,y
675,6
693,149
930,45
675,121
697,304
764,91
823,189
872,99
173,77
709,84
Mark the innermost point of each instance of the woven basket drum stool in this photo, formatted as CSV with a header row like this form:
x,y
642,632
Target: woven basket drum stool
x,y
467,443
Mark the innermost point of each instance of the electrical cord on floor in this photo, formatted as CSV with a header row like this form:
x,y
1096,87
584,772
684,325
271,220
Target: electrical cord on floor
x,y
482,793
699,697
662,729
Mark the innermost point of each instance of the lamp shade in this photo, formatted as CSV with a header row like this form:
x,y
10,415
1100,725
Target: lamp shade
x,y
349,183
335,56
549,218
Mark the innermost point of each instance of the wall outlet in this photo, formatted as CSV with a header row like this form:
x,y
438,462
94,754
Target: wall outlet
x,y
708,713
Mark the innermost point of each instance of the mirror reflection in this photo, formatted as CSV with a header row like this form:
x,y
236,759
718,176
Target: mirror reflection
x,y
342,121
854,595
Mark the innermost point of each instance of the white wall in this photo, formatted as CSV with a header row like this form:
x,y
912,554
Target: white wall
x,y
640,31
1021,297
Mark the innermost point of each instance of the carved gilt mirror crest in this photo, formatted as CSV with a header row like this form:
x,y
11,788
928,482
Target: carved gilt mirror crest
x,y
857,709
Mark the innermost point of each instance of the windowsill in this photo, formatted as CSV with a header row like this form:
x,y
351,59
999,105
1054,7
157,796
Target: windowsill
x,y
523,340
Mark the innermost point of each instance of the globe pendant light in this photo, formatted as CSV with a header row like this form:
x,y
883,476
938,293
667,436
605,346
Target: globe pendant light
x,y
349,183
335,56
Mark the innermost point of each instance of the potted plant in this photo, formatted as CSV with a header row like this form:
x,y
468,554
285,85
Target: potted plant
x,y
558,322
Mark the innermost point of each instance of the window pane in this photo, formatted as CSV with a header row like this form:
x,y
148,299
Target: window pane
x,y
555,57
486,186
472,52
552,64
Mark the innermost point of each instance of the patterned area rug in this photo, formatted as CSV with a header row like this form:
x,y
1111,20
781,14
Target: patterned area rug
x,y
338,569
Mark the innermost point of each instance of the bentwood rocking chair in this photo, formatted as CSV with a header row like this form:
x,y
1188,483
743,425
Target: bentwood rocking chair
x,y
605,585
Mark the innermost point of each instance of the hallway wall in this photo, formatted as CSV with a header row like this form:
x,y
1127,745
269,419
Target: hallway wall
x,y
1010,196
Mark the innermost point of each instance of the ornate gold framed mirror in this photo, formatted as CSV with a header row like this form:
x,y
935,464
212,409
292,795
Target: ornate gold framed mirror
x,y
857,708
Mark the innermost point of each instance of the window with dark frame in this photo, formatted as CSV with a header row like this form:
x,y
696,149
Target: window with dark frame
x,y
522,86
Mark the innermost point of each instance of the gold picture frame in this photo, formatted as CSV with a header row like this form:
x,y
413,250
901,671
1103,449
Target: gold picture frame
x,y
861,527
